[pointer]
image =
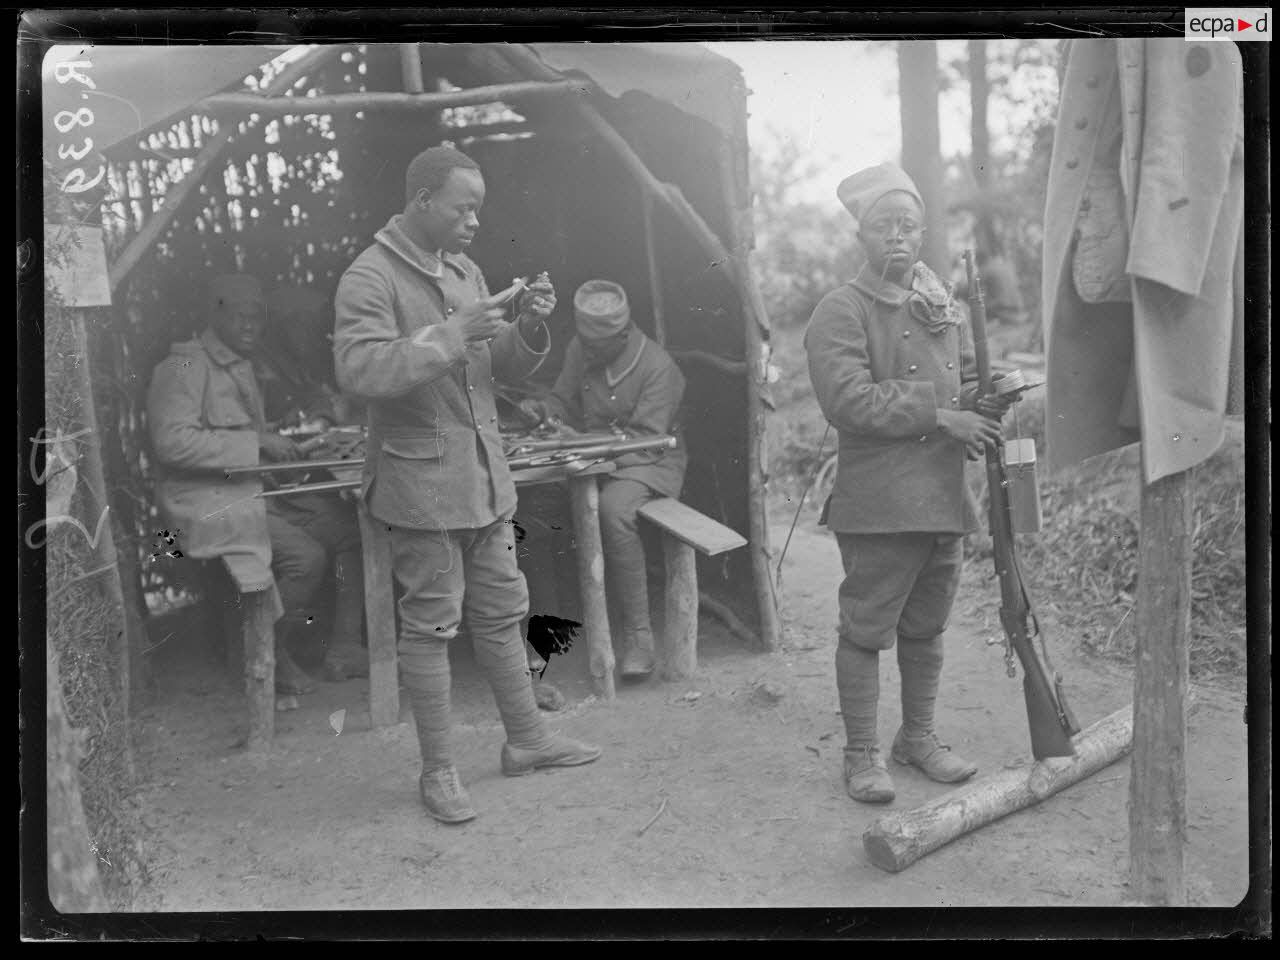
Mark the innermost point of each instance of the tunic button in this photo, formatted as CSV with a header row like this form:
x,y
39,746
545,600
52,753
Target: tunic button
x,y
448,310
586,386
955,401
1072,164
613,396
924,438
950,365
471,386
906,334
1081,123
912,369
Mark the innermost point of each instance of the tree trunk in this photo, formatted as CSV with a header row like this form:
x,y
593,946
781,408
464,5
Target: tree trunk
x,y
980,150
921,153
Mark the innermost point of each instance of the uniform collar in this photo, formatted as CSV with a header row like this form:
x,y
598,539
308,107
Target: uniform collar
x,y
878,289
929,299
636,342
218,351
394,238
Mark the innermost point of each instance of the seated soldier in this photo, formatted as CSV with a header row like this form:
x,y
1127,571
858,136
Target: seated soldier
x,y
615,378
205,414
293,363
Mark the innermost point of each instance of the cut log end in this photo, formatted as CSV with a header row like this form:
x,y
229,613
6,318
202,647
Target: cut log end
x,y
881,851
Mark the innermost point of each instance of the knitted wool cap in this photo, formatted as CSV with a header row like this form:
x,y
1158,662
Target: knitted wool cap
x,y
860,191
600,309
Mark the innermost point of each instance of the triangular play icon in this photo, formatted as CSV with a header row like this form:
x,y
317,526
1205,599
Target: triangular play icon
x,y
1243,24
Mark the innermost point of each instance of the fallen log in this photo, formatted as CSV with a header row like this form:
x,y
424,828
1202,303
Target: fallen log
x,y
900,839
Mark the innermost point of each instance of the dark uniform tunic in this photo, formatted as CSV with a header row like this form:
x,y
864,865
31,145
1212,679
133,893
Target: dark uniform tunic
x,y
435,470
882,365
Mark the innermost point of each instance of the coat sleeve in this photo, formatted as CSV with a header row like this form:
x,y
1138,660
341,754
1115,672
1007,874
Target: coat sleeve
x,y
372,358
847,391
656,411
565,399
179,437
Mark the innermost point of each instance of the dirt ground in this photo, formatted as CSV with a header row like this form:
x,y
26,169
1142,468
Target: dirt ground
x,y
745,757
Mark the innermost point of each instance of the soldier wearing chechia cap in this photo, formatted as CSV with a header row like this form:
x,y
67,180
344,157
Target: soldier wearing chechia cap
x,y
894,372
616,378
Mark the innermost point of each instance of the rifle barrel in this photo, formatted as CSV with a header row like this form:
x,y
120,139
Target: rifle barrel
x,y
593,452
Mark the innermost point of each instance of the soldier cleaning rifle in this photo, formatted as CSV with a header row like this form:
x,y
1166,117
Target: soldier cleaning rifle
x,y
616,379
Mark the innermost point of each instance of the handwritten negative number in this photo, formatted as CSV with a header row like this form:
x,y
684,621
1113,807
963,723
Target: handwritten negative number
x,y
64,120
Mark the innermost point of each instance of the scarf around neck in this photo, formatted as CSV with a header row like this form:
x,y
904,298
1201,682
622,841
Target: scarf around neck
x,y
928,298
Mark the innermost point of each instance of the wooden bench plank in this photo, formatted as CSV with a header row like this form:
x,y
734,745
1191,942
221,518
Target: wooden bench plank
x,y
699,531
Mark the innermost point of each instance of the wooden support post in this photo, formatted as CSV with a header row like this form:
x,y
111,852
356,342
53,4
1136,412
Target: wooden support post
x,y
898,840
1157,784
680,636
585,497
380,620
260,668
655,273
177,196
755,321
411,67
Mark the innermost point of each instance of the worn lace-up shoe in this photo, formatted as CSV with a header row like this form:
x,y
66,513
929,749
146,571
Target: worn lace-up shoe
x,y
444,796
561,752
934,757
866,777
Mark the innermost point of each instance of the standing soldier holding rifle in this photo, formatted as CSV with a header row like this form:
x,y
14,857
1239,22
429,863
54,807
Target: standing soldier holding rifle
x,y
894,373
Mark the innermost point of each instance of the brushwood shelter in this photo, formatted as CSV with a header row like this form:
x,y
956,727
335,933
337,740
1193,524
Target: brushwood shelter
x,y
625,161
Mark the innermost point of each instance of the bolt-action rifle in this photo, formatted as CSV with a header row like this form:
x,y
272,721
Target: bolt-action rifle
x,y
584,455
1051,721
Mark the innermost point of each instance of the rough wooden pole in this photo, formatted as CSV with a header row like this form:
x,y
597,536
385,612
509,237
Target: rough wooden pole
x,y
655,274
260,668
896,841
178,195
380,620
411,67
1157,785
755,318
243,104
680,633
585,497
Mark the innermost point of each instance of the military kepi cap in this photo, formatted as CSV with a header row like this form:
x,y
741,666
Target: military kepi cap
x,y
600,309
236,288
860,191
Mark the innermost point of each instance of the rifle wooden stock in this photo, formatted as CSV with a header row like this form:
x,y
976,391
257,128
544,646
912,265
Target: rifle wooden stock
x,y
1051,723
